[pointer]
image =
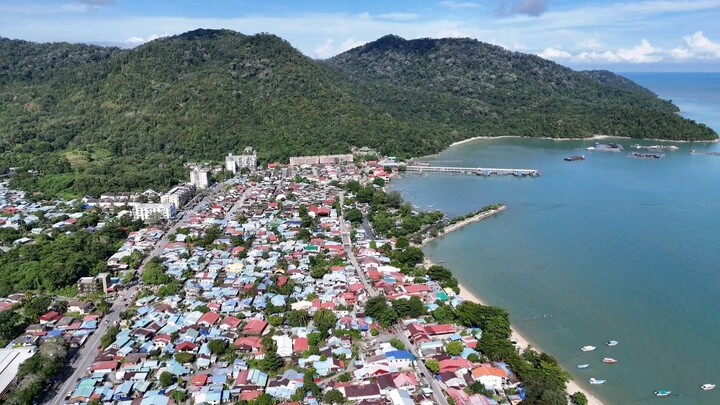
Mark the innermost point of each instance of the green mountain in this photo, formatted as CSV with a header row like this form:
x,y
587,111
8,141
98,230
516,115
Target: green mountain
x,y
91,119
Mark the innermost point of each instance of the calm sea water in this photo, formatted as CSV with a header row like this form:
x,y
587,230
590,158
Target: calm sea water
x,y
607,248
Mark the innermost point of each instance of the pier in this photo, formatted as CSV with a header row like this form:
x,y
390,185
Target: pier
x,y
480,171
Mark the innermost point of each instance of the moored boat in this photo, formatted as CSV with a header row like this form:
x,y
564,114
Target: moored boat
x,y
581,366
612,343
588,348
574,158
707,387
609,360
596,382
662,393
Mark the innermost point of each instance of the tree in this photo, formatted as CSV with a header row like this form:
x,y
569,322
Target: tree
x,y
324,320
455,348
333,397
272,362
166,379
345,377
433,366
276,320
110,336
37,306
218,346
474,357
154,273
579,398
297,318
179,396
409,308
265,399
354,215
185,358
396,343
380,311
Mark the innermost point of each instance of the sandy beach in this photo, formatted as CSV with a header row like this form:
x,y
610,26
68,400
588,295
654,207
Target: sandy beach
x,y
524,343
592,138
460,224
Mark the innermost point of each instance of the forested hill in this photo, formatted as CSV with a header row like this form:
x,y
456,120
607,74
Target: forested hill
x,y
93,119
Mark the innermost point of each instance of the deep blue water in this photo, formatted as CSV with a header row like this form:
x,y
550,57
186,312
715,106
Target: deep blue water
x,y
607,248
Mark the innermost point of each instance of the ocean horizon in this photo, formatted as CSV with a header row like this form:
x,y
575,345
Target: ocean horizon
x,y
607,248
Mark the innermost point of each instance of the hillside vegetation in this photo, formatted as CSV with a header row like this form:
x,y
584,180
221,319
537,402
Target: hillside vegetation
x,y
91,119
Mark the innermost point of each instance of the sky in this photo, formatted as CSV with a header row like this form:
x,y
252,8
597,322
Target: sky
x,y
650,35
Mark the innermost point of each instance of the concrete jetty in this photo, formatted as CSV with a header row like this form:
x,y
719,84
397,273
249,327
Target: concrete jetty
x,y
480,171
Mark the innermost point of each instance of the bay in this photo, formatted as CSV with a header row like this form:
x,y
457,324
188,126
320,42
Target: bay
x,y
607,248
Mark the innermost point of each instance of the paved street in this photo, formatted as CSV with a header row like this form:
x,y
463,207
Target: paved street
x,y
399,329
87,353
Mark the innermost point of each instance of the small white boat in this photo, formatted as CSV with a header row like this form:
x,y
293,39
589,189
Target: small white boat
x,y
596,382
662,393
581,366
588,348
609,360
707,387
612,343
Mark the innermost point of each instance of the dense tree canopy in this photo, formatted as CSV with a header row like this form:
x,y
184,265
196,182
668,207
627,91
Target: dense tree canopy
x,y
91,119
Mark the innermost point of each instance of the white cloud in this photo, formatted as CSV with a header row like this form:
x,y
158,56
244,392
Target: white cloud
x,y
554,53
458,5
590,43
328,48
135,40
643,53
398,16
697,46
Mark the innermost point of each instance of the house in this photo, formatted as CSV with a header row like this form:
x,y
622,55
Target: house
x,y
284,345
50,317
255,327
400,358
104,367
300,345
208,319
361,392
489,376
79,306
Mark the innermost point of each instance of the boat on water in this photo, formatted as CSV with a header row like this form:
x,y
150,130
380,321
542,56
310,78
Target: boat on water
x,y
574,158
642,155
596,382
605,147
612,343
583,366
662,393
697,152
609,360
707,387
588,348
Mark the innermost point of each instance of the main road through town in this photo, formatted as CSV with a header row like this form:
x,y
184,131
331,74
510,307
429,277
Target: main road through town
x,y
86,354
399,329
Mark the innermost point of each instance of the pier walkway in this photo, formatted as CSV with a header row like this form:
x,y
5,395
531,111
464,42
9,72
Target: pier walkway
x,y
480,171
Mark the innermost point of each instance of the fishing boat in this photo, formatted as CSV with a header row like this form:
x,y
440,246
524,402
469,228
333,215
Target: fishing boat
x,y
609,360
596,382
662,393
574,158
582,366
707,387
612,343
588,348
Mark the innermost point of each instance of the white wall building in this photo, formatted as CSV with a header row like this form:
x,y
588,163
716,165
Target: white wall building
x,y
145,211
178,196
200,178
248,159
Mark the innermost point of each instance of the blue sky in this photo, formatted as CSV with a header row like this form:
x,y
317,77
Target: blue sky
x,y
651,35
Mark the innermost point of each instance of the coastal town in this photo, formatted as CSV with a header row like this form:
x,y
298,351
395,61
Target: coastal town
x,y
285,283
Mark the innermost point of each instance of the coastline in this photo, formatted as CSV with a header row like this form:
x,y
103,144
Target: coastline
x,y
467,221
591,138
524,343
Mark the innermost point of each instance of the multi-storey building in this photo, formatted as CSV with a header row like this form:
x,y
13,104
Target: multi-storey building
x,y
248,160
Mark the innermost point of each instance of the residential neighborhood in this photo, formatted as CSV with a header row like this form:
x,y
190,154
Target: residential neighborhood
x,y
259,293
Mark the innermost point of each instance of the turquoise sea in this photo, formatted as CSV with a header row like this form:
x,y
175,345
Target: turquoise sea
x,y
606,248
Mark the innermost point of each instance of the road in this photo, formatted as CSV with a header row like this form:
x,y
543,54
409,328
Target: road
x,y
399,329
86,354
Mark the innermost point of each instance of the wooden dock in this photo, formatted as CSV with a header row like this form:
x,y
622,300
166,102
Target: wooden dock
x,y
479,171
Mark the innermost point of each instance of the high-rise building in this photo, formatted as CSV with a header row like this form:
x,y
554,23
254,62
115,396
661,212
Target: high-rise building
x,y
200,178
146,211
248,159
178,196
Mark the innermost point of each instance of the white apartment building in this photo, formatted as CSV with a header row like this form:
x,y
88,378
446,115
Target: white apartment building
x,y
145,211
178,196
248,160
200,178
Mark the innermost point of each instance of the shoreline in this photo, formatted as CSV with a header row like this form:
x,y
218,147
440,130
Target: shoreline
x,y
524,343
461,224
547,138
